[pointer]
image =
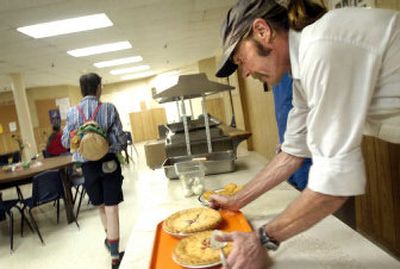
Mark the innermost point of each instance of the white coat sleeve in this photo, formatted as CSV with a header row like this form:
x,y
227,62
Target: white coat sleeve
x,y
339,80
295,142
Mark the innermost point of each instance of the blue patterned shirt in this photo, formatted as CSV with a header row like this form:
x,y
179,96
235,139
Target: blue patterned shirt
x,y
108,119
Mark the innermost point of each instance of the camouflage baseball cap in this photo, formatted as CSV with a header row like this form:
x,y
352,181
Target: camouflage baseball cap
x,y
237,23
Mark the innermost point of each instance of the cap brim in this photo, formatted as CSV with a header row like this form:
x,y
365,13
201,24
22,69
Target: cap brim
x,y
226,66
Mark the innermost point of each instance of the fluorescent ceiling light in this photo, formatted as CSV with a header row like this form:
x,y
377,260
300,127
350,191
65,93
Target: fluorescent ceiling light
x,y
100,49
67,26
166,80
130,70
128,60
137,76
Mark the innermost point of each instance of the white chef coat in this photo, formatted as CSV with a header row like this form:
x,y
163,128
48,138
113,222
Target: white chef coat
x,y
346,82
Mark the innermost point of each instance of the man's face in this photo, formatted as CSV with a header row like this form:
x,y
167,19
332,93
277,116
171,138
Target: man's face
x,y
263,59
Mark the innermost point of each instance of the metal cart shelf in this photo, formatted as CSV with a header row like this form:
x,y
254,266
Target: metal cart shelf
x,y
189,87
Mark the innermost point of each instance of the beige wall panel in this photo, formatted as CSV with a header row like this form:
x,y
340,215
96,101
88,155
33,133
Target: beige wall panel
x,y
216,108
159,117
6,98
389,4
145,123
209,66
8,113
74,94
260,117
44,93
42,110
41,136
136,123
7,143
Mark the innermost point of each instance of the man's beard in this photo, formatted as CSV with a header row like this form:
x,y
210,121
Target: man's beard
x,y
258,77
262,51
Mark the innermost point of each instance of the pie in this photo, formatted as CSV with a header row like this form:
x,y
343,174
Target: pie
x,y
192,220
229,190
196,250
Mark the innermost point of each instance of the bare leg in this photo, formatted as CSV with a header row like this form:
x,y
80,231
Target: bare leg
x,y
103,217
112,216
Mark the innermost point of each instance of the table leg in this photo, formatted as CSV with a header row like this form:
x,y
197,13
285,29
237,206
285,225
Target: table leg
x,y
69,208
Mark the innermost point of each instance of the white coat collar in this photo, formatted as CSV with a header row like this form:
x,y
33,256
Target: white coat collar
x,y
294,44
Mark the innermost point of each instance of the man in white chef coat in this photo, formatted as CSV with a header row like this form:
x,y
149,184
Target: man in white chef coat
x,y
345,66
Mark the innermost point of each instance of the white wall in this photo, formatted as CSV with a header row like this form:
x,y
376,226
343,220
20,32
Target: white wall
x,y
127,96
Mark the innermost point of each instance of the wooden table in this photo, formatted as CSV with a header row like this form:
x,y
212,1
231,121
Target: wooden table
x,y
8,179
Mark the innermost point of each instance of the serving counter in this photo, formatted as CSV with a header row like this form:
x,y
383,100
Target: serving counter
x,y
329,244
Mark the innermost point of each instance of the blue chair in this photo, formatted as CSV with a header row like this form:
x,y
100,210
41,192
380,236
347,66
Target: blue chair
x,y
5,211
77,182
46,187
131,145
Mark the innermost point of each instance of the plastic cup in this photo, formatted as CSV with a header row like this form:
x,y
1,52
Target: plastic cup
x,y
191,175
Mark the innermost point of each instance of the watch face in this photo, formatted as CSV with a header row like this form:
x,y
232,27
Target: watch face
x,y
271,245
266,241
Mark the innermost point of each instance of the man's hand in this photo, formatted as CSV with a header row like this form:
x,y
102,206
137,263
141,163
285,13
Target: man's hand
x,y
224,202
247,251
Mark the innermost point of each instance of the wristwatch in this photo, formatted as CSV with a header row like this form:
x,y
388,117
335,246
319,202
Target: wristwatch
x,y
267,241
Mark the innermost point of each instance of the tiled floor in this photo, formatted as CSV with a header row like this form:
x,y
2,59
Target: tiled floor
x,y
67,246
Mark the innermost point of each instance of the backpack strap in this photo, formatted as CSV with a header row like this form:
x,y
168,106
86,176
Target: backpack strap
x,y
78,107
95,111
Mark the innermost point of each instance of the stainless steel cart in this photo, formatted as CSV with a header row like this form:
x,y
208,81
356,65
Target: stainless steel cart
x,y
189,87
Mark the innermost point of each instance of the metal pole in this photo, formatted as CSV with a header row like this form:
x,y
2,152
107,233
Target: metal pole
x,y
191,108
179,112
185,127
233,121
206,123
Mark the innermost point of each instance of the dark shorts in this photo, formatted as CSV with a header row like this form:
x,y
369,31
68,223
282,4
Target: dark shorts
x,y
103,180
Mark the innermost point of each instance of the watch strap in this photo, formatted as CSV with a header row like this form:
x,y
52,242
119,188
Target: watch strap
x,y
267,241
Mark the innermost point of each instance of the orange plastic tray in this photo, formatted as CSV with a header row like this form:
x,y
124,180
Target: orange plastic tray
x,y
164,243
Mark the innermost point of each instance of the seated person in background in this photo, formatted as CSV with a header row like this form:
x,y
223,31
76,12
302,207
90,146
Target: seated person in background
x,y
54,146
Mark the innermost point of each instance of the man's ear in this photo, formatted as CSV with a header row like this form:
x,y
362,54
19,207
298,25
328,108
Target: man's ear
x,y
98,91
262,30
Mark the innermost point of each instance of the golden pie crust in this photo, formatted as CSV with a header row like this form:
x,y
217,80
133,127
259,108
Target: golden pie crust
x,y
228,190
192,220
196,250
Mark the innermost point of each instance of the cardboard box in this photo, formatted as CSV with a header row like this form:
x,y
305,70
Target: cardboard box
x,y
155,153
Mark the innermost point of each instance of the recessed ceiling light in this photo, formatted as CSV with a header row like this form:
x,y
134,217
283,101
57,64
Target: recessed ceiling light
x,y
67,26
100,49
128,60
130,70
138,75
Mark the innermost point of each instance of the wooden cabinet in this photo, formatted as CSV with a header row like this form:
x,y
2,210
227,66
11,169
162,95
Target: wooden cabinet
x,y
378,211
145,123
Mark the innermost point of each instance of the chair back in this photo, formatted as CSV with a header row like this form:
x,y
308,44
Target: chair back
x,y
46,187
129,139
2,208
16,157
